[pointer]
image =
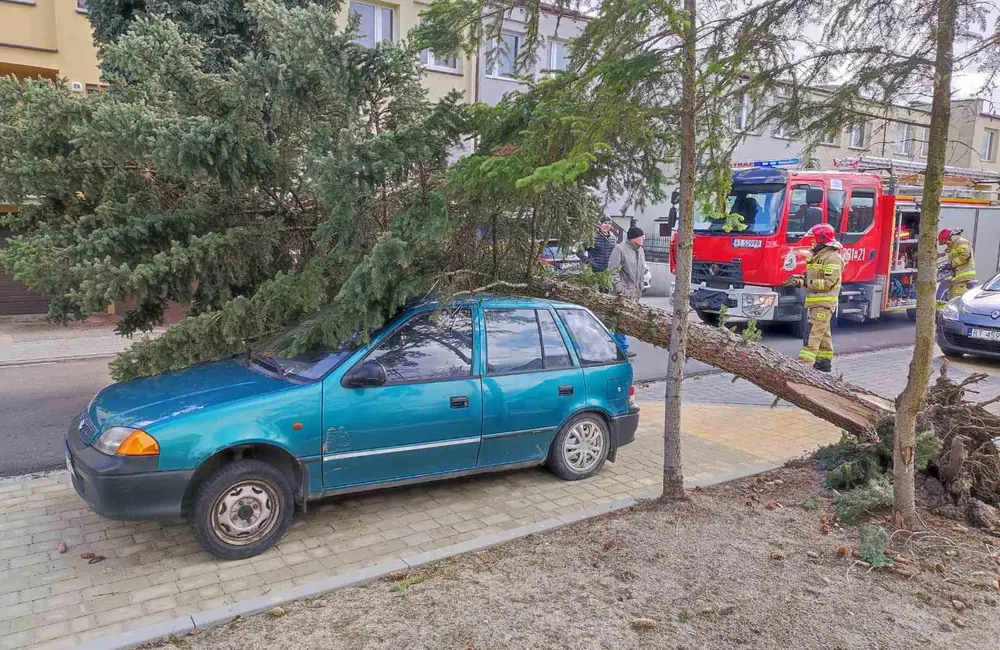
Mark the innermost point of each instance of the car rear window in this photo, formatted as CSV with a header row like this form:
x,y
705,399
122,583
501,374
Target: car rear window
x,y
592,342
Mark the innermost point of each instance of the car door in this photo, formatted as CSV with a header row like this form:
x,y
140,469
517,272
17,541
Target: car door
x,y
531,384
859,236
425,419
606,370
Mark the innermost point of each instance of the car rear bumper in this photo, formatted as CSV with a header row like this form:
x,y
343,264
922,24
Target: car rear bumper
x,y
953,336
623,427
124,488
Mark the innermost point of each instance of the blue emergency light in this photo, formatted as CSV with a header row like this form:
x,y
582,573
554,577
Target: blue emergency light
x,y
780,162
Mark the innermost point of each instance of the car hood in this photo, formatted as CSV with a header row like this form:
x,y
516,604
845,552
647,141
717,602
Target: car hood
x,y
980,302
143,402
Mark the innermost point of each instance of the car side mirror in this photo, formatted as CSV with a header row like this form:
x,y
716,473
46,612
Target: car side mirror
x,y
672,219
367,375
675,197
814,195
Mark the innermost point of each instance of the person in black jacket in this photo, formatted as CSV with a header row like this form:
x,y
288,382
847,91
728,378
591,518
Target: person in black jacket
x,y
604,242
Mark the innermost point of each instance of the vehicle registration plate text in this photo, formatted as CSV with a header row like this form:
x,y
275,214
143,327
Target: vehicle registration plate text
x,y
748,243
986,335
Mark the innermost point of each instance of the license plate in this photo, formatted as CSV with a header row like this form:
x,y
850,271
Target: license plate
x,y
986,335
748,243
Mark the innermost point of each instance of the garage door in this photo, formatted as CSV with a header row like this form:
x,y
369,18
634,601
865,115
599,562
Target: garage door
x,y
15,298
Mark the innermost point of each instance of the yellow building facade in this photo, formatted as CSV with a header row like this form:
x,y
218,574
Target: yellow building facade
x,y
48,38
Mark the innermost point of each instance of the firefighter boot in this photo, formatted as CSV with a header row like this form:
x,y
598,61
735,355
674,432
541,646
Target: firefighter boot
x,y
823,365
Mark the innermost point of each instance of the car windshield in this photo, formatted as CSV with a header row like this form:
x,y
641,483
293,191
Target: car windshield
x,y
299,353
993,284
758,204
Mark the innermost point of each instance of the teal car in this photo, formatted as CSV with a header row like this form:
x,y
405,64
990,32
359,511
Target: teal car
x,y
442,391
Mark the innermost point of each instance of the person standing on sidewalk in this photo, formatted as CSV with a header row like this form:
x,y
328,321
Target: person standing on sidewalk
x,y
629,263
824,268
604,243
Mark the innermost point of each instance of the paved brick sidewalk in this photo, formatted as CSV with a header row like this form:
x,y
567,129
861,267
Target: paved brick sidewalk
x,y
156,572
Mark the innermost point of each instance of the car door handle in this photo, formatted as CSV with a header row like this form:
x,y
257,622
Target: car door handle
x,y
565,390
459,402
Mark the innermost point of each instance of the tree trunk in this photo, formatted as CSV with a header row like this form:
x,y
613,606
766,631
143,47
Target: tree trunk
x,y
673,474
846,406
912,397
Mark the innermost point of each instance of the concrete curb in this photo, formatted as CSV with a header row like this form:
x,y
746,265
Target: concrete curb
x,y
14,363
221,615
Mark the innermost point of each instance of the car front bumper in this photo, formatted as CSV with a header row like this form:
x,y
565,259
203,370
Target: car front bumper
x,y
120,487
953,336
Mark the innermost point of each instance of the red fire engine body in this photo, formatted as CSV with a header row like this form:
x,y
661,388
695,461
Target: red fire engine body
x,y
745,270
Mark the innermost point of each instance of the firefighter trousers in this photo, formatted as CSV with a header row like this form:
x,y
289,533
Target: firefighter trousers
x,y
818,339
955,289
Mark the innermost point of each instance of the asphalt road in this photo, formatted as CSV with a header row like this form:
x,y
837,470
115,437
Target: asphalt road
x,y
36,405
37,402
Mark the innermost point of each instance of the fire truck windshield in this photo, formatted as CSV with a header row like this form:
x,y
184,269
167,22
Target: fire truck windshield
x,y
758,204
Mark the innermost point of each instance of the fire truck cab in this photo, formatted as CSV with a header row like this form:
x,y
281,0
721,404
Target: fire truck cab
x,y
877,224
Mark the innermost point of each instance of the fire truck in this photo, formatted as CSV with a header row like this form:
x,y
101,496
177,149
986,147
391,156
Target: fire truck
x,y
874,205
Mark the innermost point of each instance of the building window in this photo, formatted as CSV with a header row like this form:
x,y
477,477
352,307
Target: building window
x,y
925,139
436,62
783,131
742,117
830,139
81,6
904,139
375,23
989,152
503,63
558,55
859,136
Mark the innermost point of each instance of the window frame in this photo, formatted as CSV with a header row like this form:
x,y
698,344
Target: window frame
x,y
862,129
744,112
541,344
552,45
473,368
434,64
925,142
620,357
904,139
495,64
990,153
377,27
831,139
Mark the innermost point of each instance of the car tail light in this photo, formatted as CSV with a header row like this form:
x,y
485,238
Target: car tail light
x,y
631,394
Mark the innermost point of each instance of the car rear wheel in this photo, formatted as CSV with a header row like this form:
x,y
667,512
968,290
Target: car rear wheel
x,y
580,448
243,509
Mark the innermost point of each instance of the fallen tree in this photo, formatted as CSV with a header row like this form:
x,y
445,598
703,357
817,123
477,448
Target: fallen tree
x,y
845,405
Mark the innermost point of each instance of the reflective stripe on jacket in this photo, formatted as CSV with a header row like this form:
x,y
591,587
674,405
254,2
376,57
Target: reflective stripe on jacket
x,y
824,268
959,252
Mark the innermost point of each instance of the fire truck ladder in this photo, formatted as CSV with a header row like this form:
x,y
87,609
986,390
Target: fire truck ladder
x,y
969,178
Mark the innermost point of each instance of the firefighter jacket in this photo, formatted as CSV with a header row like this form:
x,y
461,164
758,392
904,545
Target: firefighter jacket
x,y
824,267
959,252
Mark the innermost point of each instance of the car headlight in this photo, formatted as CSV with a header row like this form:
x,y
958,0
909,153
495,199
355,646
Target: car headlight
x,y
758,304
949,311
126,441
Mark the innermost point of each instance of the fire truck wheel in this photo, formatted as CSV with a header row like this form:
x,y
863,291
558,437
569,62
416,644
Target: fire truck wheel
x,y
709,318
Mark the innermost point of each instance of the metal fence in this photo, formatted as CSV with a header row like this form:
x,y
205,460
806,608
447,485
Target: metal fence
x,y
657,249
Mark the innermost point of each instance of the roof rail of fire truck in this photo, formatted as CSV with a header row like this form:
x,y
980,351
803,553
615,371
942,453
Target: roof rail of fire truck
x,y
868,164
960,183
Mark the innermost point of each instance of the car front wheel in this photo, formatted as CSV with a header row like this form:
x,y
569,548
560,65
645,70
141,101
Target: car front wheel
x,y
580,448
242,510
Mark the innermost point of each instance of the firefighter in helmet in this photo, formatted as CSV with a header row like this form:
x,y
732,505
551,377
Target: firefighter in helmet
x,y
963,267
824,268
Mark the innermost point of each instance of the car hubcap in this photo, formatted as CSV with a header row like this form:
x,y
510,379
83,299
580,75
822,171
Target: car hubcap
x,y
584,446
246,512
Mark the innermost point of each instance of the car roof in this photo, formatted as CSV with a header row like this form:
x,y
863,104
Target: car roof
x,y
494,300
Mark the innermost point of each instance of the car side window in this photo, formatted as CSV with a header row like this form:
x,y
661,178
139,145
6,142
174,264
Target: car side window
x,y
861,213
553,346
512,341
433,346
593,344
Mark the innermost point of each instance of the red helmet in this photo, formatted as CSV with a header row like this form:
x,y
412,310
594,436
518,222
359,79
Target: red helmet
x,y
944,235
823,233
